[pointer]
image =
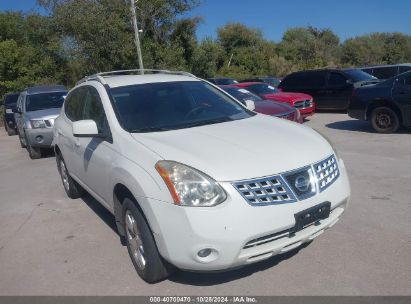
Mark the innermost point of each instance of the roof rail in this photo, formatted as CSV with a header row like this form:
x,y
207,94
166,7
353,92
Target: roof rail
x,y
100,76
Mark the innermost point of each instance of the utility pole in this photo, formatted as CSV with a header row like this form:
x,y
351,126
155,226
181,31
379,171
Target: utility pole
x,y
136,36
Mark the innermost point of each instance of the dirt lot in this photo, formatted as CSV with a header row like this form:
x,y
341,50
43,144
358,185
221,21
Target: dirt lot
x,y
51,245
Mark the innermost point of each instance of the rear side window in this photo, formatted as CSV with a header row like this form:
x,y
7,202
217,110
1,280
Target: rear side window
x,y
407,80
336,79
306,80
292,80
74,104
404,68
385,72
11,100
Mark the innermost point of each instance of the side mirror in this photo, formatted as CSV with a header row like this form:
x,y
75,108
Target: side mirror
x,y
250,105
85,128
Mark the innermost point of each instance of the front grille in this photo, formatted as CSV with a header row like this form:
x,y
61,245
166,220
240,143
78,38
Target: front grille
x,y
303,104
327,172
265,191
288,187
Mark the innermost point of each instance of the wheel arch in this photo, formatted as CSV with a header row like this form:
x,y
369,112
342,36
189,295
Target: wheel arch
x,y
383,103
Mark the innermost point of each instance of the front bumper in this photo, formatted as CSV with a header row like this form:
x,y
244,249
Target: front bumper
x,y
227,228
41,138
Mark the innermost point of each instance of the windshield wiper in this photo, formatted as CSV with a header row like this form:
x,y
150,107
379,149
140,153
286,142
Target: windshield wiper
x,y
149,129
206,122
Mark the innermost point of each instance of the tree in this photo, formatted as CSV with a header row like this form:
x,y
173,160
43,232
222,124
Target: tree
x,y
207,59
237,35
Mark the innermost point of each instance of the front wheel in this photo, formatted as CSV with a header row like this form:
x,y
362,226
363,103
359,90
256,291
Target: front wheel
x,y
10,131
384,120
72,188
150,266
34,152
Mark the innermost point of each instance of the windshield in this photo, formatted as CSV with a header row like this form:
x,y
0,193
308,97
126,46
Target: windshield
x,y
43,101
262,89
173,105
358,75
11,100
242,94
225,81
271,80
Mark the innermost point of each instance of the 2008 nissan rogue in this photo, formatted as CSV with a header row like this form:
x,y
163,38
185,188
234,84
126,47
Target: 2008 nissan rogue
x,y
195,179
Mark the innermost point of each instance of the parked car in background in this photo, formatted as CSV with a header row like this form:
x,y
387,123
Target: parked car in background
x,y
386,105
37,108
222,80
387,71
330,88
267,79
194,179
268,107
303,102
9,103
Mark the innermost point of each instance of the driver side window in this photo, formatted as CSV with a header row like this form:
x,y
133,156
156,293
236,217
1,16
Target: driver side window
x,y
94,110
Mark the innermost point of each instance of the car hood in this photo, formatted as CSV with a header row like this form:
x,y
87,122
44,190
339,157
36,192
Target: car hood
x,y
287,97
241,149
273,108
43,114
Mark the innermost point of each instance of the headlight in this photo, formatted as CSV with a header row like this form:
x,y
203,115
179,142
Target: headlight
x,y
190,187
37,124
9,111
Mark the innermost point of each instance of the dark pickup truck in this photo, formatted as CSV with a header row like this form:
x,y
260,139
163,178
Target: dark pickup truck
x,y
386,105
10,101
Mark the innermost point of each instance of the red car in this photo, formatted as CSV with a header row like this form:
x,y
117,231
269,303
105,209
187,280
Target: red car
x,y
277,109
303,102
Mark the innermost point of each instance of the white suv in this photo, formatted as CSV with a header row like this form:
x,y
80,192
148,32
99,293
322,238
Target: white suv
x,y
194,179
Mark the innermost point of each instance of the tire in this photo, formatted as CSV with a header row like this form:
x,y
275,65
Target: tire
x,y
22,143
141,246
72,188
384,120
11,132
34,152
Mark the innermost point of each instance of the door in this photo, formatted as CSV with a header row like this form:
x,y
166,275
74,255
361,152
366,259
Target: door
x,y
94,155
73,110
338,92
401,94
18,116
314,84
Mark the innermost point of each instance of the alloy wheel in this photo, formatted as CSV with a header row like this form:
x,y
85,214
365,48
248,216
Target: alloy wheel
x,y
64,175
134,240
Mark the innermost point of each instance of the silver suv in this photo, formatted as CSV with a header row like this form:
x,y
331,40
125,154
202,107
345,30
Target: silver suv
x,y
37,108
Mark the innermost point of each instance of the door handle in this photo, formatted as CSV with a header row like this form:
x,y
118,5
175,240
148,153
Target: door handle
x,y
77,144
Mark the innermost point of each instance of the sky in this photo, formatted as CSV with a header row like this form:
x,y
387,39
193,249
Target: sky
x,y
346,18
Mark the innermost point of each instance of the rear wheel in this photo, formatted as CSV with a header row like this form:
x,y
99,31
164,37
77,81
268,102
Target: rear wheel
x,y
72,188
384,120
150,266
